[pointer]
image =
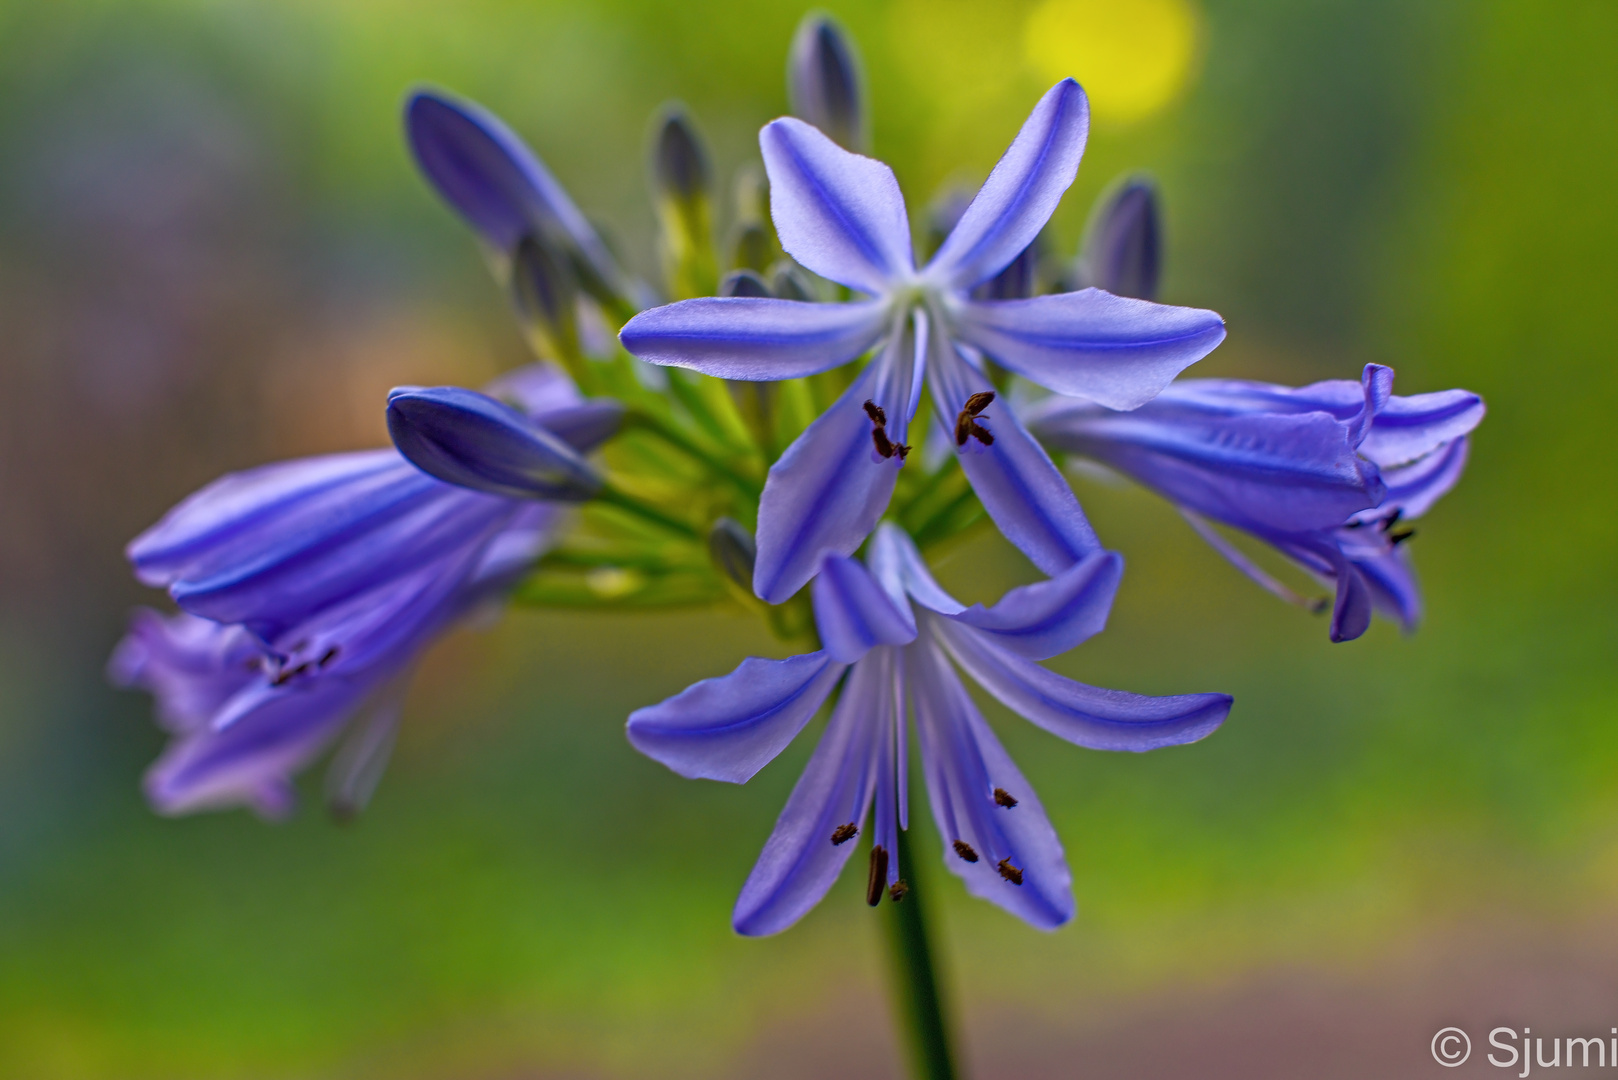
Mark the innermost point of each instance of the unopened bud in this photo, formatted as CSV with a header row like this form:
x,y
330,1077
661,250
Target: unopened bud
x,y
682,180
1122,250
743,283
732,548
823,81
546,295
788,282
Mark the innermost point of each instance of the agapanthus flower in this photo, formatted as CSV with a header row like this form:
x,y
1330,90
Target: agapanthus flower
x,y
842,216
899,637
1328,474
307,590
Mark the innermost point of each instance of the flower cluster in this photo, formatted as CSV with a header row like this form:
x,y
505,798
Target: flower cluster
x,y
750,442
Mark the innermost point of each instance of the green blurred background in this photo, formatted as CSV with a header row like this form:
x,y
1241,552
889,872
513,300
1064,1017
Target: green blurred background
x,y
214,251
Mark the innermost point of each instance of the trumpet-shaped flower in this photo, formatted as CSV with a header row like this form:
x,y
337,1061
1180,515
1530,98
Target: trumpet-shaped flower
x,y
1327,474
841,215
899,638
307,590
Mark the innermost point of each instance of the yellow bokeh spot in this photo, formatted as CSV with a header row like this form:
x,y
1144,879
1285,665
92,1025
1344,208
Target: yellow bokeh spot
x,y
1132,56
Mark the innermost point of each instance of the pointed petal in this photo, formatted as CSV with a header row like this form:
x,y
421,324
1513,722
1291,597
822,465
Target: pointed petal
x,y
1414,488
839,214
1252,570
1039,621
800,861
1020,194
489,175
964,764
471,440
731,727
1019,485
753,339
1407,428
1288,471
1351,612
898,565
1109,349
190,666
828,489
1394,589
1085,715
854,614
357,766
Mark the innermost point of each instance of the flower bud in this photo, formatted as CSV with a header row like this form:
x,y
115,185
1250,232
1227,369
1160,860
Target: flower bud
x,y
682,181
743,283
733,551
823,81
471,440
546,296
1122,250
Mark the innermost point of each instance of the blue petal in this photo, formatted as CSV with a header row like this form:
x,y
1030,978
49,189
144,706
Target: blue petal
x,y
1414,488
1020,194
757,340
854,614
488,174
1046,618
1351,611
1086,715
1122,243
1408,428
799,861
1015,479
1109,349
964,764
731,727
190,666
1393,586
1287,471
839,214
898,565
466,438
828,489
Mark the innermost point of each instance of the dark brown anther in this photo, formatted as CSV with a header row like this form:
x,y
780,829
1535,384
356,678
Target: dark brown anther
x,y
898,890
964,850
879,433
1397,538
844,833
1010,873
286,674
879,875
966,425
1002,798
327,657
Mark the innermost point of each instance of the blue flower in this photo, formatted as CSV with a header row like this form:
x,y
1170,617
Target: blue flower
x,y
842,216
308,588
1328,474
894,631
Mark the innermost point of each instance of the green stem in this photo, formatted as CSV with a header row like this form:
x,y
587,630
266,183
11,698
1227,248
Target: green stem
x,y
915,991
681,442
614,497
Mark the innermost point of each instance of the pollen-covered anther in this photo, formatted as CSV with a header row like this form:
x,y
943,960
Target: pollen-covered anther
x,y
1003,798
966,424
879,875
898,890
1011,873
844,833
327,657
879,433
964,850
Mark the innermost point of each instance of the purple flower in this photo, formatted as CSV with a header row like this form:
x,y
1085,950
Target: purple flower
x,y
308,588
1327,474
895,633
842,216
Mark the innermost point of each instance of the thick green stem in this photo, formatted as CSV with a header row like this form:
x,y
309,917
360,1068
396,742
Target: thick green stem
x,y
647,512
916,995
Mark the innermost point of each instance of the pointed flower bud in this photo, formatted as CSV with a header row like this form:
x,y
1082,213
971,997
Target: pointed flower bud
x,y
1123,243
732,548
752,245
823,81
743,283
682,181
471,440
546,296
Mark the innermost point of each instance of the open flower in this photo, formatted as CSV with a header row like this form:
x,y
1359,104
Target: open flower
x,y
894,631
842,216
308,588
1328,474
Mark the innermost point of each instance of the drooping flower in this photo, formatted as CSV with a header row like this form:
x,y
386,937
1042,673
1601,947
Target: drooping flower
x,y
899,637
307,590
1328,474
842,216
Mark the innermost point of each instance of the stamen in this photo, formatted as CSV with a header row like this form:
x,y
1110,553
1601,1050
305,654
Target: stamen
x,y
1001,798
898,890
1010,873
879,875
979,401
964,850
327,657
844,833
878,416
879,433
966,425
1397,538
